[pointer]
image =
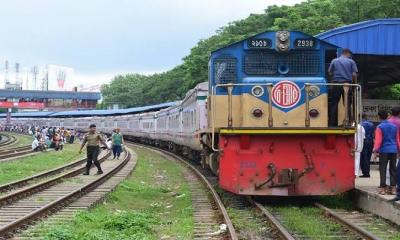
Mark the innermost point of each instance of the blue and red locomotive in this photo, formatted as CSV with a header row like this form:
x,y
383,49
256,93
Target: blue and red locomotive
x,y
268,118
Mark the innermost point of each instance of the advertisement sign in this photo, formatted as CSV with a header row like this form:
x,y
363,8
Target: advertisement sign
x,y
60,78
30,105
371,107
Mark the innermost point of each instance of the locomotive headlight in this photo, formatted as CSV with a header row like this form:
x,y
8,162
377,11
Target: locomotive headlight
x,y
283,36
313,113
282,41
257,91
314,91
257,113
282,47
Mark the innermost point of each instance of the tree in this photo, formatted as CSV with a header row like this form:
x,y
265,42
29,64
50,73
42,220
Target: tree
x,y
312,17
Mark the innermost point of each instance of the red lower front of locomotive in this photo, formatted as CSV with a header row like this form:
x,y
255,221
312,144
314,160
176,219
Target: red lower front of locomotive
x,y
286,165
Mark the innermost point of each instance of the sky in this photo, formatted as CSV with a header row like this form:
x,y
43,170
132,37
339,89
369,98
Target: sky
x,y
102,38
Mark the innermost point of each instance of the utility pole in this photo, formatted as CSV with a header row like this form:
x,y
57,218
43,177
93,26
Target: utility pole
x,y
6,81
35,72
17,80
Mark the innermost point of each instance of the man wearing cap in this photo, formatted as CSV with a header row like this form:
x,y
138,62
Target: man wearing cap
x,y
92,138
343,70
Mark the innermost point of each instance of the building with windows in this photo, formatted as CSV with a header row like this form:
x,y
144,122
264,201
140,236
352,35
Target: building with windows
x,y
48,100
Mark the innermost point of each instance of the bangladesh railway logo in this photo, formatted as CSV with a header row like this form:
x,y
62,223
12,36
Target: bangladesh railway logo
x,y
286,94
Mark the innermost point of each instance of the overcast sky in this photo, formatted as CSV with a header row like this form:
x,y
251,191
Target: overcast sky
x,y
99,38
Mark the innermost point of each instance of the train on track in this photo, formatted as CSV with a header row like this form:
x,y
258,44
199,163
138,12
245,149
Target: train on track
x,y
260,122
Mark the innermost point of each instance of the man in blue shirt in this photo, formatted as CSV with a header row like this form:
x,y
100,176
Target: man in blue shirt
x,y
343,70
367,147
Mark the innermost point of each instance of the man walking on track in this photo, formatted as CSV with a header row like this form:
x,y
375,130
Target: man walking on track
x,y
117,141
92,138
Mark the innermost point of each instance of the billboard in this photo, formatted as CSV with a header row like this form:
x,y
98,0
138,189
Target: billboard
x,y
31,105
372,106
60,78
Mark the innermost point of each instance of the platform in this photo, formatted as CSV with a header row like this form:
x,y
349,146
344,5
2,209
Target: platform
x,y
366,197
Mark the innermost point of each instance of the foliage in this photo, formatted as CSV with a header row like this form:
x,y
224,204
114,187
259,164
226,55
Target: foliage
x,y
386,92
312,17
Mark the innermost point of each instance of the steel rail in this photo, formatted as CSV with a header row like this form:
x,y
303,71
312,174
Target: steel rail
x,y
15,152
283,232
217,199
25,181
10,140
58,203
364,233
6,199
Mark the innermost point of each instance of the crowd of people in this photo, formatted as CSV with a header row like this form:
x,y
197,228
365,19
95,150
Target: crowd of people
x,y
51,137
380,143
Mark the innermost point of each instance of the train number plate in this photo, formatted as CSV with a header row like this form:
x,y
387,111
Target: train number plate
x,y
304,43
259,43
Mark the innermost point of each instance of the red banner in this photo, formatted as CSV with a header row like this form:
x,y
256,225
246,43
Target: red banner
x,y
34,105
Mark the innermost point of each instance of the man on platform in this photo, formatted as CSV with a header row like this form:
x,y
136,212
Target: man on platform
x,y
366,153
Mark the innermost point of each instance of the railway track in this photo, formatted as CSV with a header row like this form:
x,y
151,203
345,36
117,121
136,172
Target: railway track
x,y
211,219
353,224
10,140
20,208
37,177
8,153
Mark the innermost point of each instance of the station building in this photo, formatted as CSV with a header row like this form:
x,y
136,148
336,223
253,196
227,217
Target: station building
x,y
48,100
376,49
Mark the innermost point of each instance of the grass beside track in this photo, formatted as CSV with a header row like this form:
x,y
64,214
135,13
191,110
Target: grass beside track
x,y
27,166
23,140
153,203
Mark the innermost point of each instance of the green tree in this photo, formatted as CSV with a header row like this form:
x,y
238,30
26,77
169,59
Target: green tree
x,y
312,17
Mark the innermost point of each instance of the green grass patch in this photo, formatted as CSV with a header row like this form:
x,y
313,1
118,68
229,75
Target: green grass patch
x,y
31,165
23,140
308,221
153,203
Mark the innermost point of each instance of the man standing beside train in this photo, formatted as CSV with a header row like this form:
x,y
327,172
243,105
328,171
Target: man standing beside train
x,y
92,138
343,70
367,146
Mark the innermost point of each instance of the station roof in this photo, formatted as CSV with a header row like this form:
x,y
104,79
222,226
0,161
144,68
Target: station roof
x,y
376,48
28,114
376,37
89,113
49,94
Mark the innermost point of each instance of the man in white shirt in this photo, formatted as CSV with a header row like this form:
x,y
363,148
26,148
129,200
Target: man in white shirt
x,y
35,144
358,146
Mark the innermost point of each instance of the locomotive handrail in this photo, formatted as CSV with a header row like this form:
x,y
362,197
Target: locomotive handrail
x,y
230,87
357,108
357,102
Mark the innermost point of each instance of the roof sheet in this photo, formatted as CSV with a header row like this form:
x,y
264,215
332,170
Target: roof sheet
x,y
49,94
112,112
376,37
28,114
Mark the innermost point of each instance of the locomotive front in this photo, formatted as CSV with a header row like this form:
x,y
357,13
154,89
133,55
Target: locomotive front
x,y
268,118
